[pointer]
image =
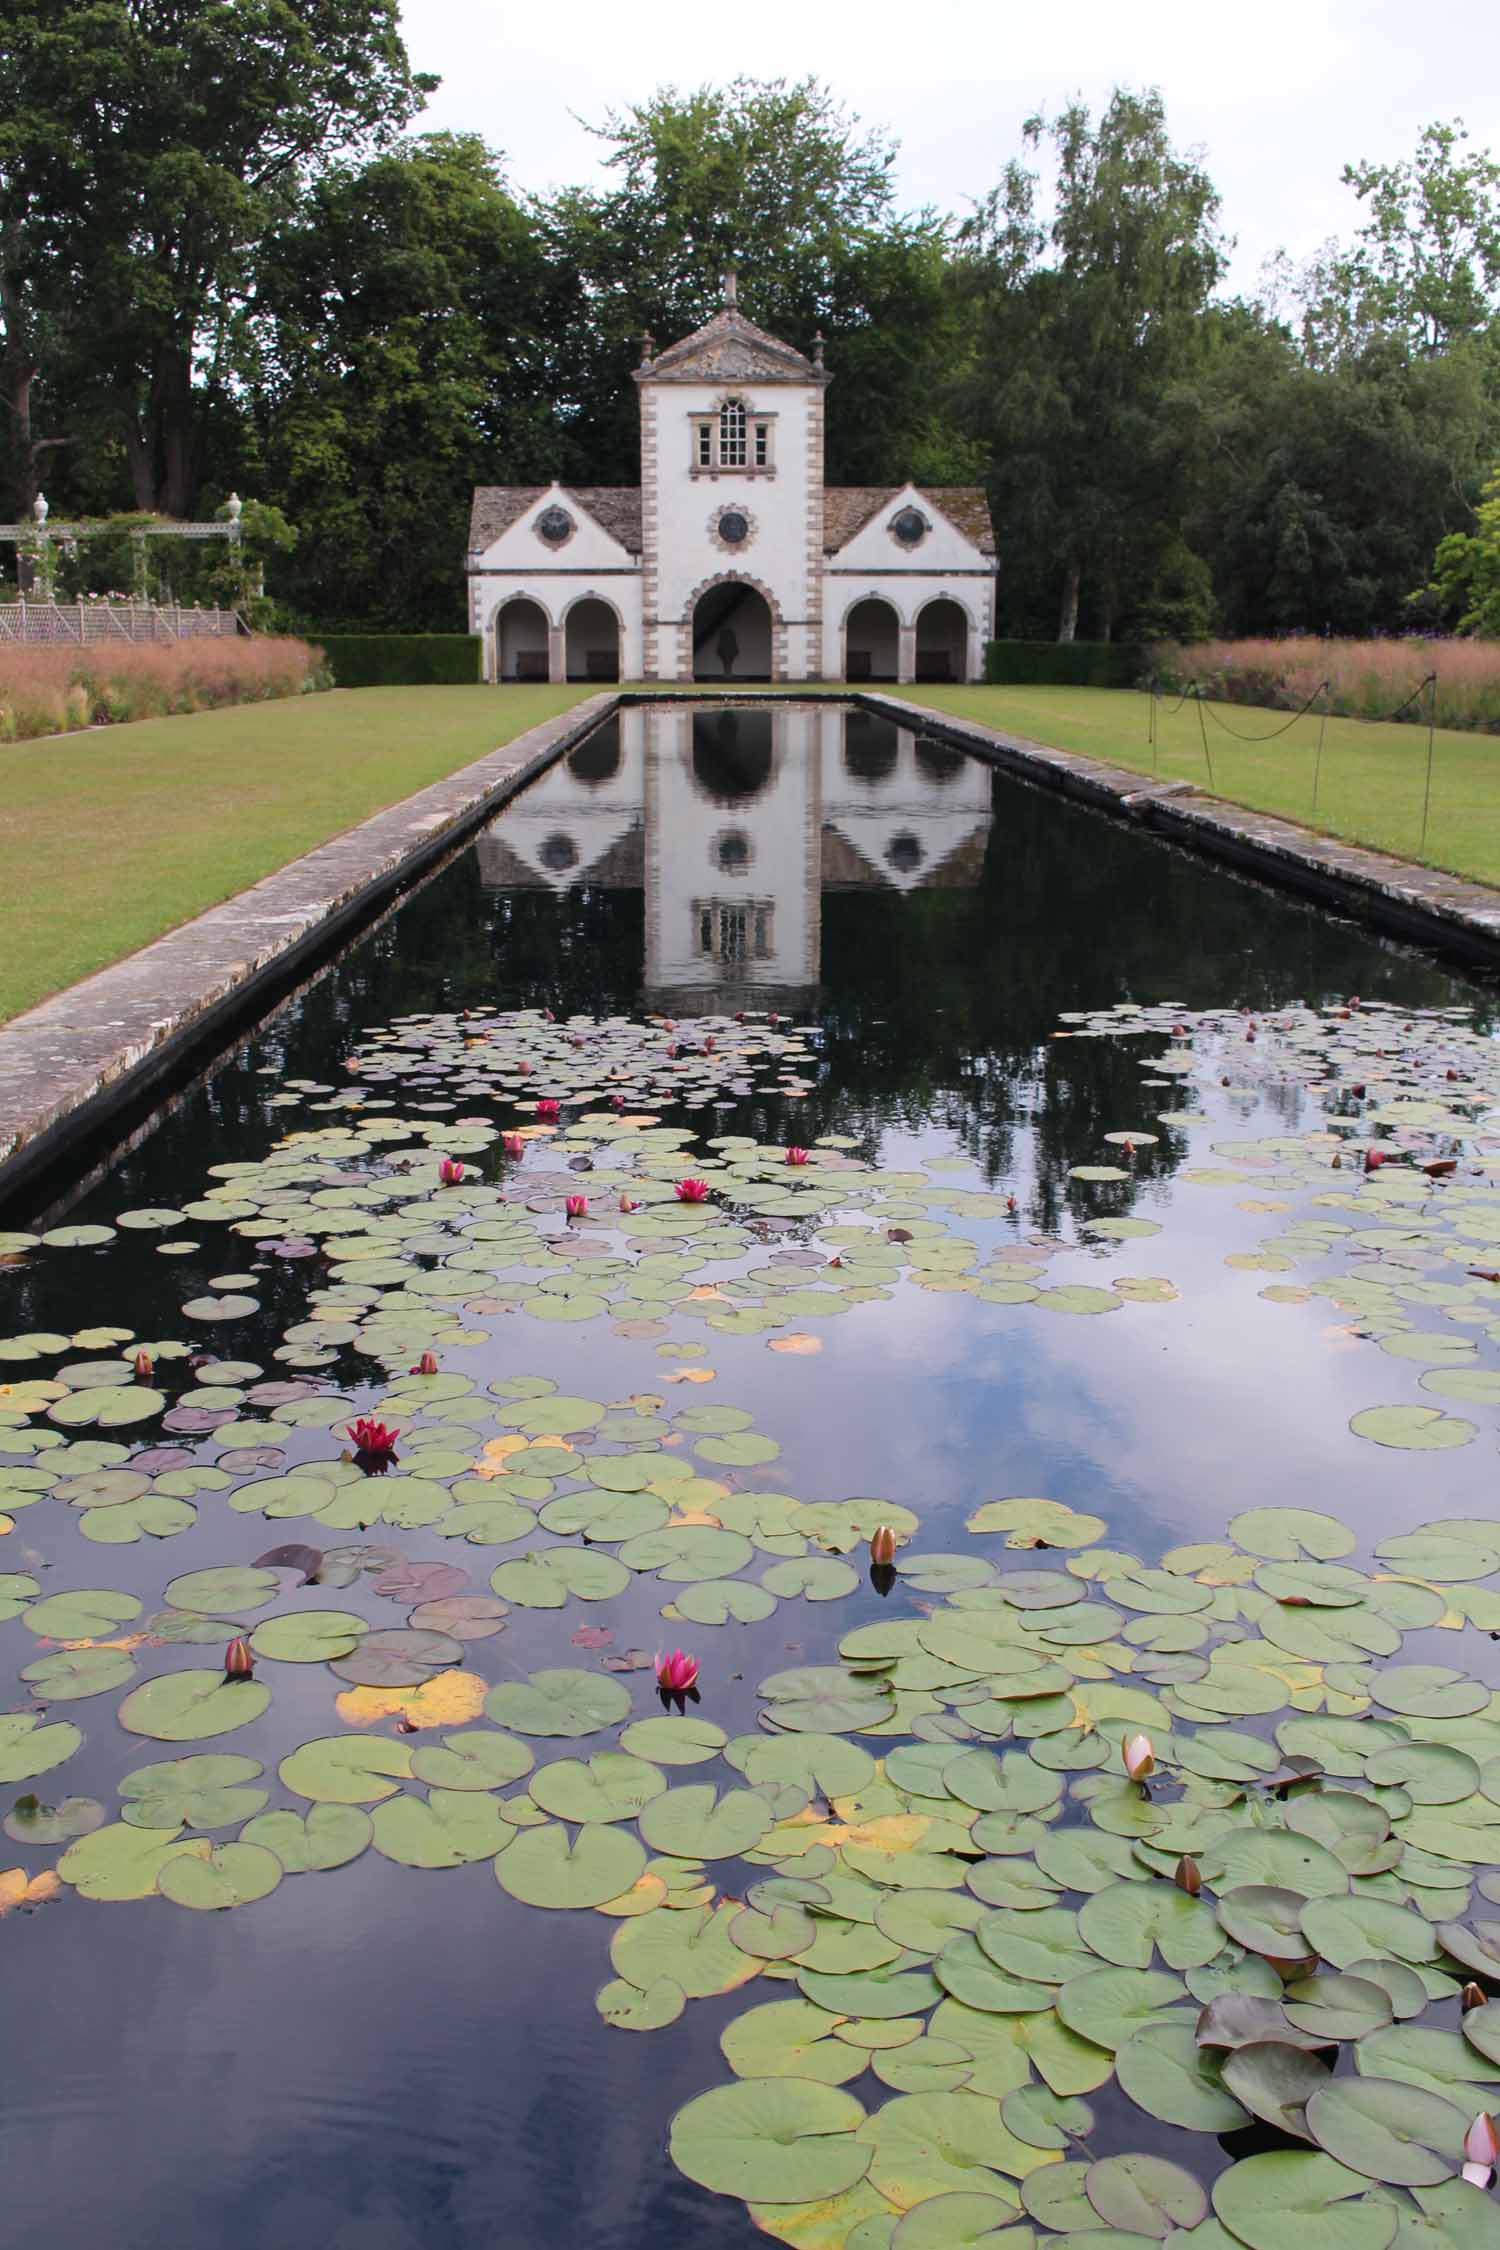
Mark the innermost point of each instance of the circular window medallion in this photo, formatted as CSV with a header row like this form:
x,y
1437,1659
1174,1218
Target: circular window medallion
x,y
555,526
909,528
731,528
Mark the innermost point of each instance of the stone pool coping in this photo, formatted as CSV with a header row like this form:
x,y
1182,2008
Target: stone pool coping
x,y
70,1064
1421,904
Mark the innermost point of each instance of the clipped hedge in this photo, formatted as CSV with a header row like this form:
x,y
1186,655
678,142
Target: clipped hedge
x,y
401,659
1100,664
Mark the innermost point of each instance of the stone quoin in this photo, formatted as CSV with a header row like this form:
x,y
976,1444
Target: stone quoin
x,y
731,560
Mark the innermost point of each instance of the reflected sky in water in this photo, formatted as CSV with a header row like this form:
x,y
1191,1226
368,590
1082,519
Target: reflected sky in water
x,y
380,2059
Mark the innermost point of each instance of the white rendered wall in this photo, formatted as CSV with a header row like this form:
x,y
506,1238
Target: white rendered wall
x,y
590,565
776,557
874,566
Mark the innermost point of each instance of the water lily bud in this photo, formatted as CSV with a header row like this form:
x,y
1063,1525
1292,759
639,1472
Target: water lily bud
x,y
629,1203
882,1544
1140,1758
352,1063
426,1365
1482,2141
1011,1205
1472,1996
144,1366
239,1664
513,1144
450,1171
577,1207
1186,1875
617,1101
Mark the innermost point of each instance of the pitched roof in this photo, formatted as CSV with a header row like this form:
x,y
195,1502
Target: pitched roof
x,y
616,508
730,349
847,508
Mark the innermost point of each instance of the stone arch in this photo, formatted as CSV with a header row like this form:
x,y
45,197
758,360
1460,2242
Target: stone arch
x,y
522,631
593,632
942,637
696,663
872,639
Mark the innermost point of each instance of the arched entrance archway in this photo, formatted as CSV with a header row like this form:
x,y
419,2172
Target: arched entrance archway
x,y
733,637
591,636
521,633
872,641
942,651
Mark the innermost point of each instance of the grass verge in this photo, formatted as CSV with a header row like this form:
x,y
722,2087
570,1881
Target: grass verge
x,y
1370,784
111,837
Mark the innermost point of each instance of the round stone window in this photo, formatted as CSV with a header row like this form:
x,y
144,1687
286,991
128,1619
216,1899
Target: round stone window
x,y
909,528
734,527
554,525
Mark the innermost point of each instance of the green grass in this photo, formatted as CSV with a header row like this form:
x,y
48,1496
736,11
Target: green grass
x,y
1370,787
110,837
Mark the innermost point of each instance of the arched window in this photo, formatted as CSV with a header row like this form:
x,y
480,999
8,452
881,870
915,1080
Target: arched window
x,y
732,435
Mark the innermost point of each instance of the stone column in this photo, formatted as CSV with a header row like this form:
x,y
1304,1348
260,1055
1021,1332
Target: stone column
x,y
906,654
557,660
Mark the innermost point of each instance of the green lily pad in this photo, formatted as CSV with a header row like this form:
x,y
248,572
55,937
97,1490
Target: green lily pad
x,y
545,1867
449,1828
1395,2133
1261,2197
190,1706
771,2140
328,1836
228,1875
1166,2073
30,1746
346,1769
559,1702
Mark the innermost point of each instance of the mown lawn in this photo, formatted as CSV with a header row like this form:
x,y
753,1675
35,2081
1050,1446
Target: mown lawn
x,y
1370,787
110,837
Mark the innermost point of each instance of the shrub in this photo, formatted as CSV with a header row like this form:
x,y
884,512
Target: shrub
x,y
51,690
1367,679
402,659
1106,664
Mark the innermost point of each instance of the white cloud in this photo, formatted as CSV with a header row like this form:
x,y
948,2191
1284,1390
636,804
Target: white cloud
x,y
1279,98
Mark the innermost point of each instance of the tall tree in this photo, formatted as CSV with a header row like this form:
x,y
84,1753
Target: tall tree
x,y
1425,266
1086,319
778,180
400,332
148,148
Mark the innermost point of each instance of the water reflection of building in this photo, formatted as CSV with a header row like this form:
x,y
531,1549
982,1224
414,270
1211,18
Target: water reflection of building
x,y
733,821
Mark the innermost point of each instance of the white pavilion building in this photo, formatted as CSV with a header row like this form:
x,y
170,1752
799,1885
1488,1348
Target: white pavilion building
x,y
731,560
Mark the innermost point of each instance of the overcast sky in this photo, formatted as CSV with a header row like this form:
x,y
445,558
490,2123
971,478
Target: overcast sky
x,y
1279,95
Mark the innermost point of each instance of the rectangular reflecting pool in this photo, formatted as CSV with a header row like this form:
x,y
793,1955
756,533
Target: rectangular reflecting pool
x,y
1018,1309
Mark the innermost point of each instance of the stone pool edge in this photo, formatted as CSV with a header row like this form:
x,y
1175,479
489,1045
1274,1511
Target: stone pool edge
x,y
1421,904
70,1063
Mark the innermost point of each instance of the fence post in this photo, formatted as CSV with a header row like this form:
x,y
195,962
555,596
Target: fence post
x,y
1430,683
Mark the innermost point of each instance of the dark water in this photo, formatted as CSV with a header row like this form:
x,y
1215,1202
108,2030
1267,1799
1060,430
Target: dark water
x,y
382,2059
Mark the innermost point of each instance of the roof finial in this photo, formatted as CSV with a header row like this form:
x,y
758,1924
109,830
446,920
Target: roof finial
x,y
731,290
818,349
648,347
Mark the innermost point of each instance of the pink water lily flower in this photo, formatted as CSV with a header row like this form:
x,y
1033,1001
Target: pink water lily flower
x,y
376,1440
514,1144
676,1672
450,1171
577,1206
796,1156
692,1191
549,1108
